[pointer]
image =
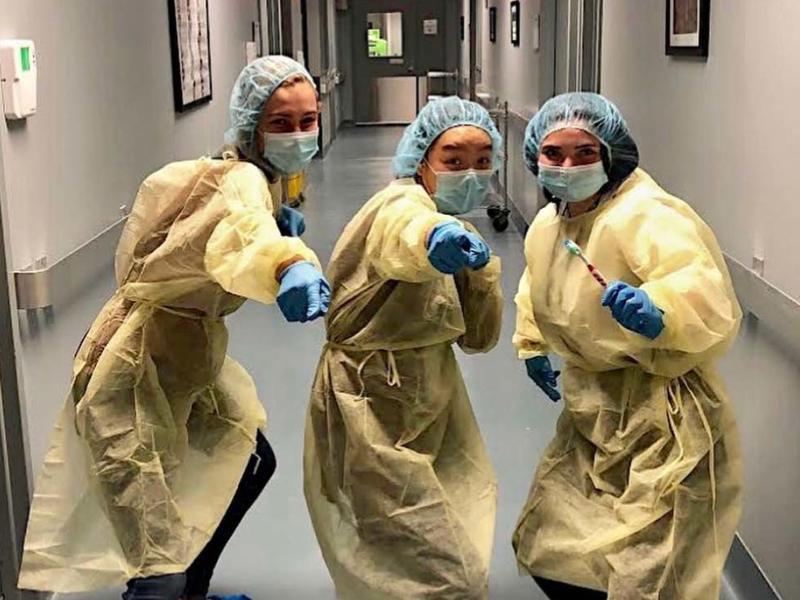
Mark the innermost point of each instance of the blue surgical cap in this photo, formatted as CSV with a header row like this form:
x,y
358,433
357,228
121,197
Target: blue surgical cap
x,y
594,114
253,88
433,120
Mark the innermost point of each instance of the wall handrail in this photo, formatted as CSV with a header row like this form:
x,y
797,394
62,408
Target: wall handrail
x,y
37,288
491,102
779,311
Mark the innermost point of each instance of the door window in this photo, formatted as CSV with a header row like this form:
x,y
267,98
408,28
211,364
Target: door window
x,y
385,35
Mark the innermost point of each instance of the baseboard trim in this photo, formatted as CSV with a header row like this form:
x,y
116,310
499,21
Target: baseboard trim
x,y
744,578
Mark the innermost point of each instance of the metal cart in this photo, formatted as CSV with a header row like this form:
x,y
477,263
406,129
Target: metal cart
x,y
498,209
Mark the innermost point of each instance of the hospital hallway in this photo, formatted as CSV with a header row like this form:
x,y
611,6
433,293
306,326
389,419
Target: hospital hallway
x,y
680,104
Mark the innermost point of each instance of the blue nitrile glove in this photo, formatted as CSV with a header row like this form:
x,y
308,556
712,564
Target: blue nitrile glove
x,y
304,294
541,372
291,222
451,248
236,597
634,310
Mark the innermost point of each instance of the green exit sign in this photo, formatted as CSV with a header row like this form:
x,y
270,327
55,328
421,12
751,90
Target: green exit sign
x,y
25,58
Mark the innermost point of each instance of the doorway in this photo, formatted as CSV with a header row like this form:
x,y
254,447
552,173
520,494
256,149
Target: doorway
x,y
14,463
396,43
577,54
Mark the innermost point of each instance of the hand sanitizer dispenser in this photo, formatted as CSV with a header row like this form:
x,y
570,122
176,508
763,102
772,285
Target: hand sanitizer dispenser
x,y
18,78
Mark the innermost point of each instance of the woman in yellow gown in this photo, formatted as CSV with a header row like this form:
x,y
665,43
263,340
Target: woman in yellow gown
x,y
159,452
639,493
397,480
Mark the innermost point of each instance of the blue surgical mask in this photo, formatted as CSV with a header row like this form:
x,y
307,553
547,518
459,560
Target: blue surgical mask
x,y
458,192
573,184
290,152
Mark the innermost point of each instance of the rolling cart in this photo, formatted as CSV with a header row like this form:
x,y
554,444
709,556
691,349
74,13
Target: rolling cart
x,y
498,210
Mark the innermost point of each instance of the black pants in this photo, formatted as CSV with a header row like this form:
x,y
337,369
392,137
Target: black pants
x,y
555,590
197,578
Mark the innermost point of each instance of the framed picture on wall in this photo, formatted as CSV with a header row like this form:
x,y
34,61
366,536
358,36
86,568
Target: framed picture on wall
x,y
493,24
191,53
687,25
515,23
